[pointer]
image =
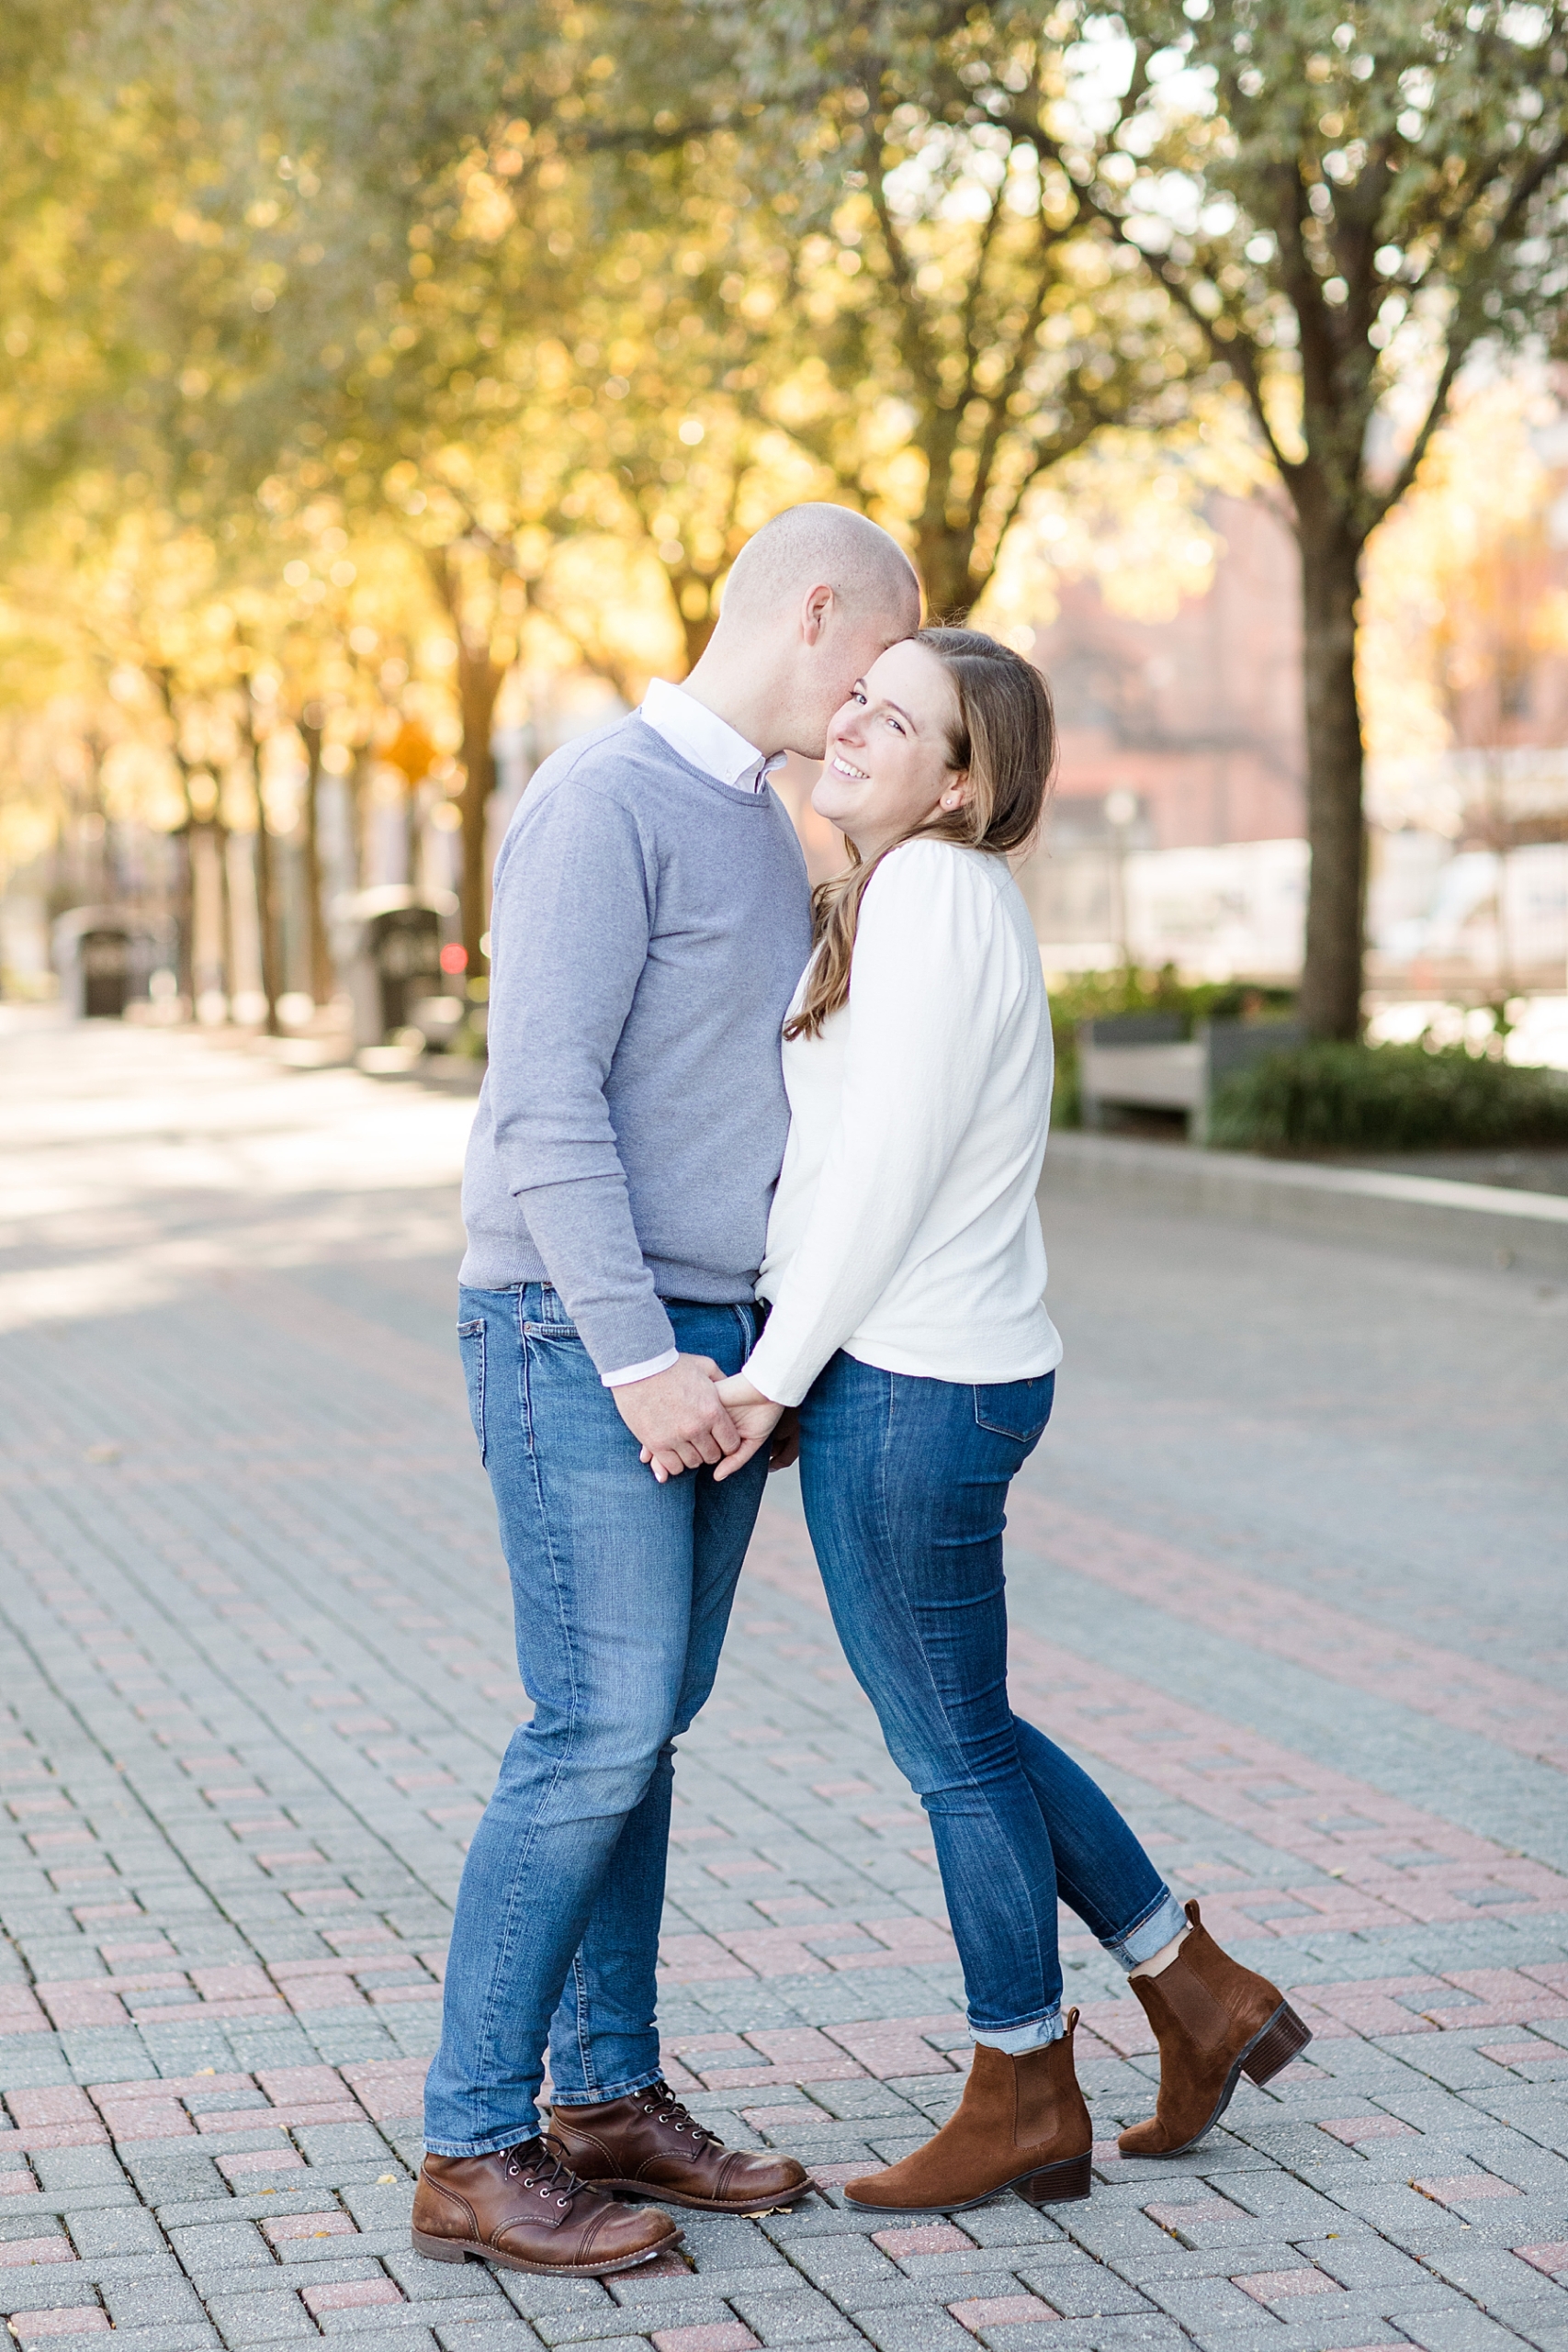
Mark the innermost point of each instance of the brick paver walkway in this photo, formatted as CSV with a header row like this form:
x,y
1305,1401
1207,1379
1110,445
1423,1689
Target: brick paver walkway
x,y
1288,1574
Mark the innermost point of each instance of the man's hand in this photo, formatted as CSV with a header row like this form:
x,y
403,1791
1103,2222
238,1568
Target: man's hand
x,y
755,1416
679,1416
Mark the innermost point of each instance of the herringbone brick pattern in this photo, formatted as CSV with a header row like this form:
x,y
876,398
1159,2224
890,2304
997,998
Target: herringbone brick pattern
x,y
256,1674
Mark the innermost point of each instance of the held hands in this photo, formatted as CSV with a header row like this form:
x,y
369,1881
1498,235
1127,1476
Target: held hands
x,y
748,1416
755,1416
680,1417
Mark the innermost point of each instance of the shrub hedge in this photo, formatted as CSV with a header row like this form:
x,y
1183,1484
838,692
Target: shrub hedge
x,y
1387,1098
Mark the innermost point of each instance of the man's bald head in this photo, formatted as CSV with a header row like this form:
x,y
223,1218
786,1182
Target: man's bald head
x,y
818,545
811,602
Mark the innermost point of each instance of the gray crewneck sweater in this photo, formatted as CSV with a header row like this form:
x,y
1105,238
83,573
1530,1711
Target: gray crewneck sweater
x,y
647,930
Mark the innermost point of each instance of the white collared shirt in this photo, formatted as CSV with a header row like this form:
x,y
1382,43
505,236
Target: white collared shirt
x,y
710,743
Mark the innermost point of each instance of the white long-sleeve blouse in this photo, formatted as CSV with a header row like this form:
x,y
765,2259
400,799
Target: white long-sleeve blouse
x,y
904,1228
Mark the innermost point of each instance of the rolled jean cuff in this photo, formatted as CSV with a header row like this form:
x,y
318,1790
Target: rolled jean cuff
x,y
490,2147
1148,1935
601,2097
1016,2039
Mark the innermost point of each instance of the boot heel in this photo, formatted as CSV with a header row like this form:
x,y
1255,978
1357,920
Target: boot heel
x,y
1062,2184
437,2249
1282,2038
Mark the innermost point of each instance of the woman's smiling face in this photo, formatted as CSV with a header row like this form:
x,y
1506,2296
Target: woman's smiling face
x,y
887,769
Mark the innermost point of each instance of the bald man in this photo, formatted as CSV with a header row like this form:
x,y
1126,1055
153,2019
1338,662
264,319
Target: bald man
x,y
651,918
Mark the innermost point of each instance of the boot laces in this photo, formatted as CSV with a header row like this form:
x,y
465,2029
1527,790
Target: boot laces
x,y
540,2168
659,2102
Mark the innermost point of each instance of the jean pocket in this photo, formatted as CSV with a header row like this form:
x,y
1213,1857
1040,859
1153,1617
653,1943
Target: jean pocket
x,y
552,1321
1016,1409
471,1347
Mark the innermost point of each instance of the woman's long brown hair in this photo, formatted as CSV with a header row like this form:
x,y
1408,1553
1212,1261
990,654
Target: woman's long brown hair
x,y
1004,732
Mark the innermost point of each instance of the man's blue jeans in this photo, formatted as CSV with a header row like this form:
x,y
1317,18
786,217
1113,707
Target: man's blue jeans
x,y
622,1589
905,1483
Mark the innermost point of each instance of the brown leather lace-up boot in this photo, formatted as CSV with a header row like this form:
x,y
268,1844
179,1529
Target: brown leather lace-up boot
x,y
1214,2021
1020,2124
521,2209
647,2145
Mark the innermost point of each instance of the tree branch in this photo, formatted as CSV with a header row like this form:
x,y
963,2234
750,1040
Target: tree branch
x,y
1239,355
1467,327
1000,399
913,338
1043,456
969,314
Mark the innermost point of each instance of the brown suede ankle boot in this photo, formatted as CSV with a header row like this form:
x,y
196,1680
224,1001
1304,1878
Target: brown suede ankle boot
x,y
1214,2021
1020,2124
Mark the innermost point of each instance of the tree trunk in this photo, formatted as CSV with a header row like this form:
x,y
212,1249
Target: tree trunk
x,y
943,559
266,916
359,815
188,835
266,907
322,979
227,967
943,552
103,887
479,684
479,678
184,895
942,548
1331,976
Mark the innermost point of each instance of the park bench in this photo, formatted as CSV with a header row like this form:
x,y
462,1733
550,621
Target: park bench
x,y
1141,1061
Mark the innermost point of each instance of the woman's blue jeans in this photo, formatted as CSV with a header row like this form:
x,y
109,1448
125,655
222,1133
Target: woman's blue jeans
x,y
621,1590
905,1483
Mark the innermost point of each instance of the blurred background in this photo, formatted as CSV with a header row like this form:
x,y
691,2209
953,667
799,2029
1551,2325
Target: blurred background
x,y
388,391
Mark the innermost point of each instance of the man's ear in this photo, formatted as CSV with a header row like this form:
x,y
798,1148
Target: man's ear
x,y
814,613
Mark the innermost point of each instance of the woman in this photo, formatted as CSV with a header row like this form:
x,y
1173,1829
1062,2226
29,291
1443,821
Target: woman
x,y
905,1270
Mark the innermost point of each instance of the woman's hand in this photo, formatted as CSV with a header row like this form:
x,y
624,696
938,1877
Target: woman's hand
x,y
786,1441
755,1416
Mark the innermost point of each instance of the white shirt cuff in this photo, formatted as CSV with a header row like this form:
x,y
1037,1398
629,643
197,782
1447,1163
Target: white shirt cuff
x,y
640,1371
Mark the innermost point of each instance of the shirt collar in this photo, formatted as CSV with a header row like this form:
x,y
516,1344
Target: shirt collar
x,y
708,741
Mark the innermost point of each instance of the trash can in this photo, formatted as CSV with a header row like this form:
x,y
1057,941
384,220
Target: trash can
x,y
105,972
394,964
104,957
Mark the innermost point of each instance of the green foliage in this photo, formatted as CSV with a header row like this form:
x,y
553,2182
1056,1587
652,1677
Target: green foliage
x,y
1099,996
1367,167
569,290
949,322
1332,1097
1377,191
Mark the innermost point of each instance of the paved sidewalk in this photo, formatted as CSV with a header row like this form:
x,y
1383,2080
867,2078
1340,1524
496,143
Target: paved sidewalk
x,y
1288,1574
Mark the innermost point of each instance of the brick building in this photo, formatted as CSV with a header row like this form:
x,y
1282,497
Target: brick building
x,y
1180,736
1199,717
